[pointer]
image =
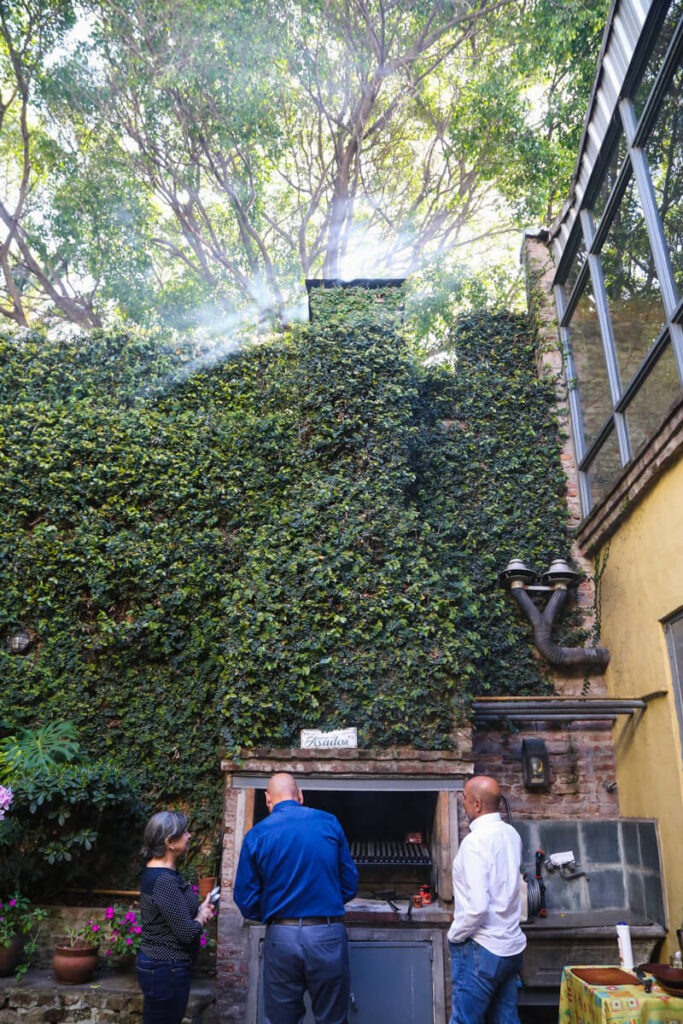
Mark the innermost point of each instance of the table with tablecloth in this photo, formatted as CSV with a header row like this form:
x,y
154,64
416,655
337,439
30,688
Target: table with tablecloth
x,y
584,1003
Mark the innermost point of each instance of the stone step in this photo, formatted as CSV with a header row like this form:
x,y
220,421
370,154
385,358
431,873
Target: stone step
x,y
110,997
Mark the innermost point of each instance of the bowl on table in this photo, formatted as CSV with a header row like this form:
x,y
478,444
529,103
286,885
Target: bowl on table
x,y
670,978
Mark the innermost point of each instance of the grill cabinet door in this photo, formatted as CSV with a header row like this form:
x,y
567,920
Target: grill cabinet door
x,y
391,983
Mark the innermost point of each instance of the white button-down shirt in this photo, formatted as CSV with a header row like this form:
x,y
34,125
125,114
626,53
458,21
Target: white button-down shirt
x,y
486,881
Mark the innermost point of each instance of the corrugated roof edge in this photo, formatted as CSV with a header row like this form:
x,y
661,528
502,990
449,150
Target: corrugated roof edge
x,y
646,17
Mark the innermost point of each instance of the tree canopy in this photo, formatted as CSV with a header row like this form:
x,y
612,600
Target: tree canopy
x,y
164,158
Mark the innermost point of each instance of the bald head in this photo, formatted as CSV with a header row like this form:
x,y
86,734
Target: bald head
x,y
282,786
482,796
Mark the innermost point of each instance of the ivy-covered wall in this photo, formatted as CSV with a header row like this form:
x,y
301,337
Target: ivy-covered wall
x,y
306,534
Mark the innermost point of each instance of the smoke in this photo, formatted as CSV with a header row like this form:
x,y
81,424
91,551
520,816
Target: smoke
x,y
217,335
372,249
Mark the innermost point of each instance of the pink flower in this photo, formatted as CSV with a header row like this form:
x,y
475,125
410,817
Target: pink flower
x,y
108,952
95,927
6,797
203,939
12,903
138,931
115,932
128,942
110,913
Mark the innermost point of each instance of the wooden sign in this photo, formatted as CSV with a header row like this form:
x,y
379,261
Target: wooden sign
x,y
318,738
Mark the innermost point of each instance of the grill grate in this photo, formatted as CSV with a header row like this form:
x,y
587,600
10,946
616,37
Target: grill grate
x,y
386,851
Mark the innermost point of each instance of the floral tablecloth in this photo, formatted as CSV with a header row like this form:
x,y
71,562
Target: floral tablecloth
x,y
581,1003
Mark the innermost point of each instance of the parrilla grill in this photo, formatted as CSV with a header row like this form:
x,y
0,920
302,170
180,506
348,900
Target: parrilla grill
x,y
380,851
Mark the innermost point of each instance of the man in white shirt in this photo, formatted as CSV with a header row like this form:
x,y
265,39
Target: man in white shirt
x,y
485,939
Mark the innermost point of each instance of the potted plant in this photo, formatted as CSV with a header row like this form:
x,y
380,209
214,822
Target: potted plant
x,y
208,860
76,957
124,935
205,883
18,933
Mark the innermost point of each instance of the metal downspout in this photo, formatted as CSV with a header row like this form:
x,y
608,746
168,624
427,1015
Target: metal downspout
x,y
596,658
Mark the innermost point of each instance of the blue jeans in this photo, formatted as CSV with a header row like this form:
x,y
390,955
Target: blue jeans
x,y
484,985
297,958
166,988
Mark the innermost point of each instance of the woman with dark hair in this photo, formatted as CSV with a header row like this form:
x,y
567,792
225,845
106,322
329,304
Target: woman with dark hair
x,y
172,921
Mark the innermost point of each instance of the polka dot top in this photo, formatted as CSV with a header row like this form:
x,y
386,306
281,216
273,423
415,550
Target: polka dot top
x,y
168,907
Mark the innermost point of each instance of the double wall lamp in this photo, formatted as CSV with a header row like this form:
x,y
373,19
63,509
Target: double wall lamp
x,y
554,584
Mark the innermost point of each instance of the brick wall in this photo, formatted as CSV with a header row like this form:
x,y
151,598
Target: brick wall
x,y
582,763
582,771
540,269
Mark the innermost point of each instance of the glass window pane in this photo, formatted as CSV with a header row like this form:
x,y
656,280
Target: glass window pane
x,y
657,56
645,410
632,286
609,177
589,364
578,261
604,468
665,156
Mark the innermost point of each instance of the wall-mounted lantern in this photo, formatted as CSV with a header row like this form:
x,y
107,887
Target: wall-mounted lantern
x,y
19,642
535,765
559,575
516,574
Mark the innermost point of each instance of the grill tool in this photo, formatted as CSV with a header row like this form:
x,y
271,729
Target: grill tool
x,y
386,894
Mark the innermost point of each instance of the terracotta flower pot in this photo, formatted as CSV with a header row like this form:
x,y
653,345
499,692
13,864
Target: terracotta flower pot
x,y
11,955
74,965
205,886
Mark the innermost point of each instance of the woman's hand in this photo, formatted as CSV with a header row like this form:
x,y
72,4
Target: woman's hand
x,y
205,913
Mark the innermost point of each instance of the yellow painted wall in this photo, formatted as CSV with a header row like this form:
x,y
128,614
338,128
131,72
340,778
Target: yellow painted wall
x,y
643,584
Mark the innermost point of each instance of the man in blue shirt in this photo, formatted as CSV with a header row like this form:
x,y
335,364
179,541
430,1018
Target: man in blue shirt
x,y
295,873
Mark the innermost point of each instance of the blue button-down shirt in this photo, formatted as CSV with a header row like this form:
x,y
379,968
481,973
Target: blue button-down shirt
x,y
295,863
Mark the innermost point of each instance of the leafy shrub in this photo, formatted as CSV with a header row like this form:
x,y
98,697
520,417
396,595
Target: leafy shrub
x,y
66,823
19,917
32,749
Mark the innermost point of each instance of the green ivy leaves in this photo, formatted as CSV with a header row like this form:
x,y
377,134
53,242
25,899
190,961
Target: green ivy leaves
x,y
306,535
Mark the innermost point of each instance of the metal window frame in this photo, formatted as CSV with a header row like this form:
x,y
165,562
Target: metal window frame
x,y
635,132
660,87
648,205
652,29
613,202
676,669
648,363
655,230
570,305
568,257
605,326
596,444
579,437
614,135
